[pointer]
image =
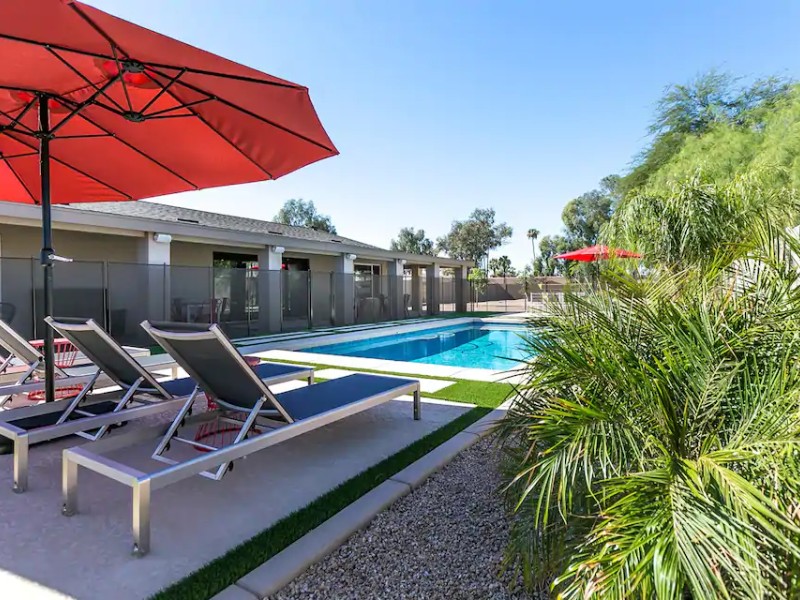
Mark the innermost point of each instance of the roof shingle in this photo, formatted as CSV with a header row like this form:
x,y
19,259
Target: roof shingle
x,y
180,214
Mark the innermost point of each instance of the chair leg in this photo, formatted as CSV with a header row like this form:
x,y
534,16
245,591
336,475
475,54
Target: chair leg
x,y
246,427
21,463
69,487
121,405
175,425
20,381
6,362
78,399
141,518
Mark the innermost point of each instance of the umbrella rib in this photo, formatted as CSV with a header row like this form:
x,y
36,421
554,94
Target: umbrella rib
x,y
223,137
281,84
256,116
84,136
234,146
122,80
98,30
23,155
88,81
114,44
77,108
76,169
163,89
17,120
135,149
158,113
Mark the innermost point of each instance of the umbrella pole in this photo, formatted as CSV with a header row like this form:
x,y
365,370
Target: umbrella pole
x,y
47,244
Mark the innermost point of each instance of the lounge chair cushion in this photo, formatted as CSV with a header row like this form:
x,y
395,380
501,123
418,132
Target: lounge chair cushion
x,y
312,400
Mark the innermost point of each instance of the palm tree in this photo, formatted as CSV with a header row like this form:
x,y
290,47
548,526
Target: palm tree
x,y
654,447
533,234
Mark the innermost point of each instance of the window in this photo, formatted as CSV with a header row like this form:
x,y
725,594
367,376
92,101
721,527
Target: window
x,y
367,281
235,287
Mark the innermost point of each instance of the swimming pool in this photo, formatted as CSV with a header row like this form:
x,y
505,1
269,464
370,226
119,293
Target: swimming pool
x,y
479,346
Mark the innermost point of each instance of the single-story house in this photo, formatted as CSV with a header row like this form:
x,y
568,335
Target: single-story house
x,y
143,260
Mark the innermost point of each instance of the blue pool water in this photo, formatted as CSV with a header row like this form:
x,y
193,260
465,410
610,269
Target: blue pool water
x,y
477,346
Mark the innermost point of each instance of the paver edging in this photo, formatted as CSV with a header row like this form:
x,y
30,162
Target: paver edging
x,y
234,592
293,560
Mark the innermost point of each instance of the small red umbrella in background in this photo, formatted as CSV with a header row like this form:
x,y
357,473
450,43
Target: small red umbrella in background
x,y
95,109
592,253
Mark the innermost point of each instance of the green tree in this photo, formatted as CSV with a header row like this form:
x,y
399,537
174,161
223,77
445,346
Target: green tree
x,y
412,241
653,447
473,238
727,150
584,218
533,235
694,222
527,277
302,213
689,111
501,267
586,215
549,247
478,281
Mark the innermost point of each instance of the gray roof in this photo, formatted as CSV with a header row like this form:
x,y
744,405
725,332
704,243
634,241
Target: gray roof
x,y
180,214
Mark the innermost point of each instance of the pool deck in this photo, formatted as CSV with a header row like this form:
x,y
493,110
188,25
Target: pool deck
x,y
44,555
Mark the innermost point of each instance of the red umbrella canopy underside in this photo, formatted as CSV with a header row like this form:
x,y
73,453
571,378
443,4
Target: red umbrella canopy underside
x,y
592,253
168,117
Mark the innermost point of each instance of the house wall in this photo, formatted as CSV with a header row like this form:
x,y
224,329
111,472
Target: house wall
x,y
190,254
78,285
317,263
25,242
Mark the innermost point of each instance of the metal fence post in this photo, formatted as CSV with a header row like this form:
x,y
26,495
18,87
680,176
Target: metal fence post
x,y
332,297
281,280
164,292
211,294
310,300
35,321
106,303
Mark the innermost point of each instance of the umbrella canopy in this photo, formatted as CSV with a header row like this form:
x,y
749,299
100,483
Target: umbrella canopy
x,y
95,109
592,253
135,114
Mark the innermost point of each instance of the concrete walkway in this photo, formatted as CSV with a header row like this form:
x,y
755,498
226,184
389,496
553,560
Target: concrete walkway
x,y
44,555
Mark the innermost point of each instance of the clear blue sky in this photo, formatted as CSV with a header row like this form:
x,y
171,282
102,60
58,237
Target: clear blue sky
x,y
439,107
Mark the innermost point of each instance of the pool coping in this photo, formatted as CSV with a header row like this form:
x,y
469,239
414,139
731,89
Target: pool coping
x,y
292,350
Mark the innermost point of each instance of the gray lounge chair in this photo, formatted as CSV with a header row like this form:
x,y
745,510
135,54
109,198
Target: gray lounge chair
x,y
31,375
22,355
90,416
220,371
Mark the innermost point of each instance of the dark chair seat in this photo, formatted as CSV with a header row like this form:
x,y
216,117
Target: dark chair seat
x,y
312,400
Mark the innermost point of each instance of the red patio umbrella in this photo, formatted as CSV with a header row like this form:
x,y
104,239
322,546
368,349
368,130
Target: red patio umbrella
x,y
592,253
94,108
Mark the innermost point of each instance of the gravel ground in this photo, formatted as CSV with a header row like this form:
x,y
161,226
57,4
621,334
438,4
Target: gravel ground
x,y
445,540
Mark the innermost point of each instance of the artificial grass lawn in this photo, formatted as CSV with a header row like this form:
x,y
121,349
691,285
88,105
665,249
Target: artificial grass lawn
x,y
236,563
479,393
